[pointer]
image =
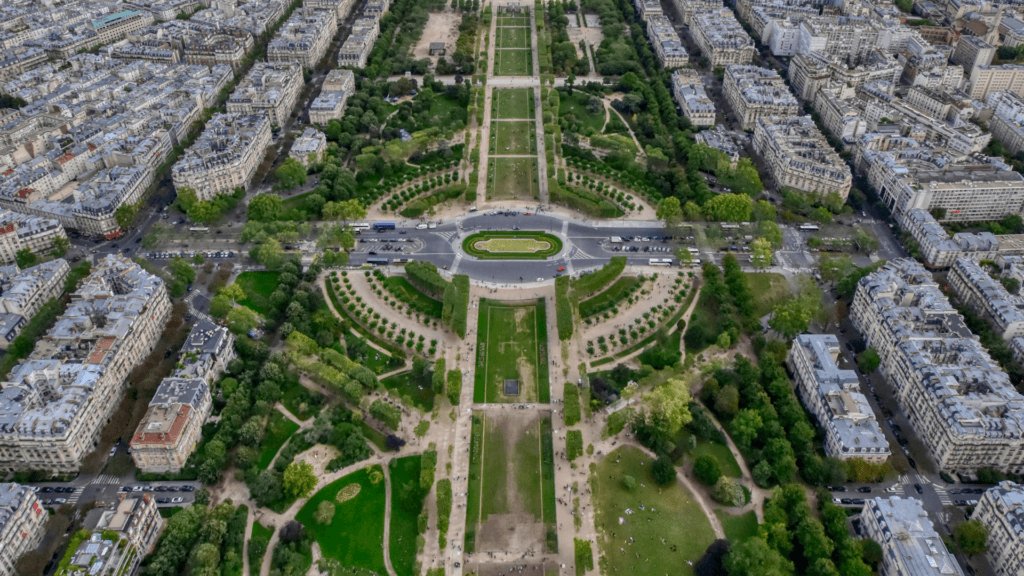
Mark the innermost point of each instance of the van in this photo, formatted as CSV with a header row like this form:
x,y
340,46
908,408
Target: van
x,y
616,240
421,226
472,208
432,225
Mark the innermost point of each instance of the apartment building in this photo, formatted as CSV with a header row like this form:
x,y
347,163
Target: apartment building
x,y
54,404
341,8
721,38
687,8
972,51
269,87
987,296
843,37
136,521
1012,29
218,48
935,244
172,426
117,26
833,396
23,293
910,544
753,92
665,42
304,37
1001,510
1007,122
311,144
722,140
957,399
23,232
798,156
225,156
334,93
22,523
689,93
356,49
985,80
648,8
810,72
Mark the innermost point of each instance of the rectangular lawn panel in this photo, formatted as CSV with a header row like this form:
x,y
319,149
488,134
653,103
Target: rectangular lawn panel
x,y
512,103
512,179
279,429
513,20
408,293
512,345
509,37
513,138
406,505
474,496
513,62
547,470
669,512
355,537
258,287
419,389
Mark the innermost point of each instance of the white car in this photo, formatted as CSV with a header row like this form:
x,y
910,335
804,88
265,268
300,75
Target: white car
x,y
113,450
177,499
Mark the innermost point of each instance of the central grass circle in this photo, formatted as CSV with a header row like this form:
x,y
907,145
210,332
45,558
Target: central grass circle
x,y
512,245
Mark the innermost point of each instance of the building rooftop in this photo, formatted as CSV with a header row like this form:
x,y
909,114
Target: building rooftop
x,y
907,529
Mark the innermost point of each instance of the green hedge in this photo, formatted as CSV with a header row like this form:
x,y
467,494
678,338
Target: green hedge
x,y
425,276
583,200
589,284
460,312
571,406
563,308
454,390
573,445
444,510
421,205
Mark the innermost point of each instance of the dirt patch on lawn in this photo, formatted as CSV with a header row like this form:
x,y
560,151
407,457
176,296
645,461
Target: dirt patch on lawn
x,y
441,27
506,569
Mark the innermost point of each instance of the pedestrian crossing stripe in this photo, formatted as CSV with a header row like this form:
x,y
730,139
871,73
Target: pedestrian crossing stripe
x,y
455,265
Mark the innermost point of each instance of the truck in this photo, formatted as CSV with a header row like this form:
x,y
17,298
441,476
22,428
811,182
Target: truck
x,y
616,240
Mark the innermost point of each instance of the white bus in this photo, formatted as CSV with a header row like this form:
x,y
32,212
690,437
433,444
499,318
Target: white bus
x,y
730,226
360,226
809,227
661,262
199,229
693,250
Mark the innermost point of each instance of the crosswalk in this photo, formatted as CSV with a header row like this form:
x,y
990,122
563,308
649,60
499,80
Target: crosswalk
x,y
577,254
106,479
455,265
446,235
196,312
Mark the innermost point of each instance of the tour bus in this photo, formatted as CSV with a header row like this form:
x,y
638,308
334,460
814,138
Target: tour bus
x,y
199,229
378,261
360,226
809,227
382,226
692,250
730,226
661,262
402,260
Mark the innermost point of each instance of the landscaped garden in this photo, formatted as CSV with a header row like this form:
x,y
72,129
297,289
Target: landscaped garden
x,y
658,528
406,505
513,62
279,429
513,138
258,287
415,388
512,245
511,347
513,103
512,178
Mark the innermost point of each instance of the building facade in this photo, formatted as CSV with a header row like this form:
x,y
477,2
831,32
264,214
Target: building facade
x,y
689,93
910,544
987,296
721,38
22,523
225,156
753,92
1001,510
798,156
304,37
269,87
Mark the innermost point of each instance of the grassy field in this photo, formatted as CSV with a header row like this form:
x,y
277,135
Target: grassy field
x,y
576,105
258,287
355,537
512,178
513,20
511,473
509,37
738,528
279,429
512,245
513,138
609,297
513,103
511,345
406,504
670,513
418,388
261,530
513,63
406,292
294,396
768,289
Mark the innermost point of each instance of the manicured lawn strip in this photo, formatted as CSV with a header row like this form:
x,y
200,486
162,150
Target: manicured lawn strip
x,y
738,528
513,21
720,452
608,299
648,340
513,103
419,389
602,361
588,285
513,138
676,517
496,472
768,289
475,479
469,245
513,37
513,62
527,470
411,295
512,178
279,430
406,504
355,537
258,287
547,463
543,375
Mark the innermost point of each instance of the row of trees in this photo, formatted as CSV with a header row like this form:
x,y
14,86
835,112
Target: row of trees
x,y
207,541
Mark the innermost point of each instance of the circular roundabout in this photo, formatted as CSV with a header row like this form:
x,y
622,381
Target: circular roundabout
x,y
512,245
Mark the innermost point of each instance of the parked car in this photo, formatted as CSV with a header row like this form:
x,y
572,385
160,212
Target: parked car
x,y
864,489
177,499
837,488
163,500
919,489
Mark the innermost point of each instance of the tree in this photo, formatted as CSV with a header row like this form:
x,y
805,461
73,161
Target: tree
x,y
345,210
233,291
764,211
265,207
868,360
727,401
266,487
792,316
971,537
745,426
292,531
291,173
60,246
220,306
811,535
770,231
1012,223
669,211
729,208
762,254
871,553
669,407
629,483
269,254
706,469
754,557
324,512
182,270
299,479
187,197
663,471
25,258
692,212
728,492
125,215
683,255
241,320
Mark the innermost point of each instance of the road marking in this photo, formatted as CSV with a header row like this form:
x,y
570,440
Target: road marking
x,y
455,265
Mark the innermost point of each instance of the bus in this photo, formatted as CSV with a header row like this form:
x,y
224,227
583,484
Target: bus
x,y
199,229
360,226
730,226
809,227
402,260
661,262
382,226
378,261
692,250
